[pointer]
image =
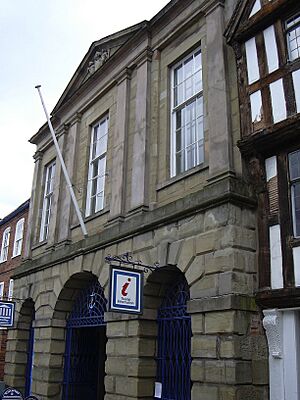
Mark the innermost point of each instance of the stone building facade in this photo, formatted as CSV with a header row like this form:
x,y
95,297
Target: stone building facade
x,y
13,228
148,127
266,39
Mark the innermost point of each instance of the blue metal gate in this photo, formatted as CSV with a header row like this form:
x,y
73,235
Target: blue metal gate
x,y
85,354
174,344
28,373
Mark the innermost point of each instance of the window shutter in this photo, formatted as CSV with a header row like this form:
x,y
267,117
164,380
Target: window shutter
x,y
272,186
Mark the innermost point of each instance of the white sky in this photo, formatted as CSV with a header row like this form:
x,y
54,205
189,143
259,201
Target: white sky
x,y
43,42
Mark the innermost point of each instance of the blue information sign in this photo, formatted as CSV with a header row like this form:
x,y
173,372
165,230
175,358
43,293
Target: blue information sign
x,y
7,313
126,290
11,394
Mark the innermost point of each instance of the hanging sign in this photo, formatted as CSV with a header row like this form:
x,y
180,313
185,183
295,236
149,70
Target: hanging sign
x,y
11,394
7,313
126,290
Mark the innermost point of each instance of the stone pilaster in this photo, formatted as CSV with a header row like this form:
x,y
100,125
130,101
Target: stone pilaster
x,y
131,350
139,178
65,204
118,178
220,146
58,185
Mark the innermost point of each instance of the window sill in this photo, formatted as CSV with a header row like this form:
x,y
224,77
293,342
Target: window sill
x,y
2,262
183,175
17,255
39,244
92,217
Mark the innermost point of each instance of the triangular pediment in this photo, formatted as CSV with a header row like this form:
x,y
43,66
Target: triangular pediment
x,y
98,54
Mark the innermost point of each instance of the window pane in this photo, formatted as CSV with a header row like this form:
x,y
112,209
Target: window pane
x,y
296,82
179,131
271,48
252,60
188,67
179,162
278,101
293,37
294,165
296,207
187,119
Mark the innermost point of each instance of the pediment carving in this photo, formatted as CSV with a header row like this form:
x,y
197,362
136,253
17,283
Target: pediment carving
x,y
100,57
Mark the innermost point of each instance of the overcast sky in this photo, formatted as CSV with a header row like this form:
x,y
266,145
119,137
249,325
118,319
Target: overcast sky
x,y
43,42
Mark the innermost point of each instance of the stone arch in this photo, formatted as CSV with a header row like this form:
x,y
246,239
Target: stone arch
x,y
17,360
173,324
132,340
53,337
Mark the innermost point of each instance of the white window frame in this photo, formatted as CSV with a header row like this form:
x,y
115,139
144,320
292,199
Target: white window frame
x,y
292,25
18,242
294,181
10,289
95,198
5,245
196,147
1,290
47,200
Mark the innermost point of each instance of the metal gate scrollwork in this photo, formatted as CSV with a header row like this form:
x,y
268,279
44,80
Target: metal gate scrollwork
x,y
174,344
85,346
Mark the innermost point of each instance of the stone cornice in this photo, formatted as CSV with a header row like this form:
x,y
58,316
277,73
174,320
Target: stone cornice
x,y
229,190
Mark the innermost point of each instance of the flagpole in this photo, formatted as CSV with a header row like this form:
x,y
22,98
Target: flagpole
x,y
63,165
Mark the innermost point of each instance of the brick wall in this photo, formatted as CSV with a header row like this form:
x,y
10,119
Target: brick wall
x,y
7,267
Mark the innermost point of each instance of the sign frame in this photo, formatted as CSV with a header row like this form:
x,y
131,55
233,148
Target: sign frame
x,y
115,306
10,322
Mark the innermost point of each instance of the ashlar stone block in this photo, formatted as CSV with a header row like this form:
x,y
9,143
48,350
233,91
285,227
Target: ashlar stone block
x,y
204,346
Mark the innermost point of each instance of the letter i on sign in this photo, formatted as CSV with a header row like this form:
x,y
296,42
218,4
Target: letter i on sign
x,y
125,286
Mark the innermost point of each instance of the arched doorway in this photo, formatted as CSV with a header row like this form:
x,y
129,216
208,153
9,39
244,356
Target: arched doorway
x,y
174,342
85,353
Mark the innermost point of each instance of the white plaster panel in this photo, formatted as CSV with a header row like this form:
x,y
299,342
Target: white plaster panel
x,y
276,257
252,60
256,106
271,167
290,347
296,257
296,81
273,325
256,7
271,48
278,101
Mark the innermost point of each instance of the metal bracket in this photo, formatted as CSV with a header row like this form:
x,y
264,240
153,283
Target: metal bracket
x,y
127,259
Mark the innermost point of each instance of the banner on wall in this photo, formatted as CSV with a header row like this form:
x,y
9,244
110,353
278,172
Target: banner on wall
x,y
126,290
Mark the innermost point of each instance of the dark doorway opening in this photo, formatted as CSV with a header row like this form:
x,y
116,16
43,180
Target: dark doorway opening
x,y
85,353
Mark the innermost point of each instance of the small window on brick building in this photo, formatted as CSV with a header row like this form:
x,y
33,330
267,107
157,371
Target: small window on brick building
x,y
10,289
5,245
294,173
293,37
18,238
1,290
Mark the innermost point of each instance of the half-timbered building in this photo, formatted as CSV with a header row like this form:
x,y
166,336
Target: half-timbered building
x,y
265,35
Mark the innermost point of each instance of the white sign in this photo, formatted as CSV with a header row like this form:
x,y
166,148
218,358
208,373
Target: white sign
x,y
158,390
126,290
